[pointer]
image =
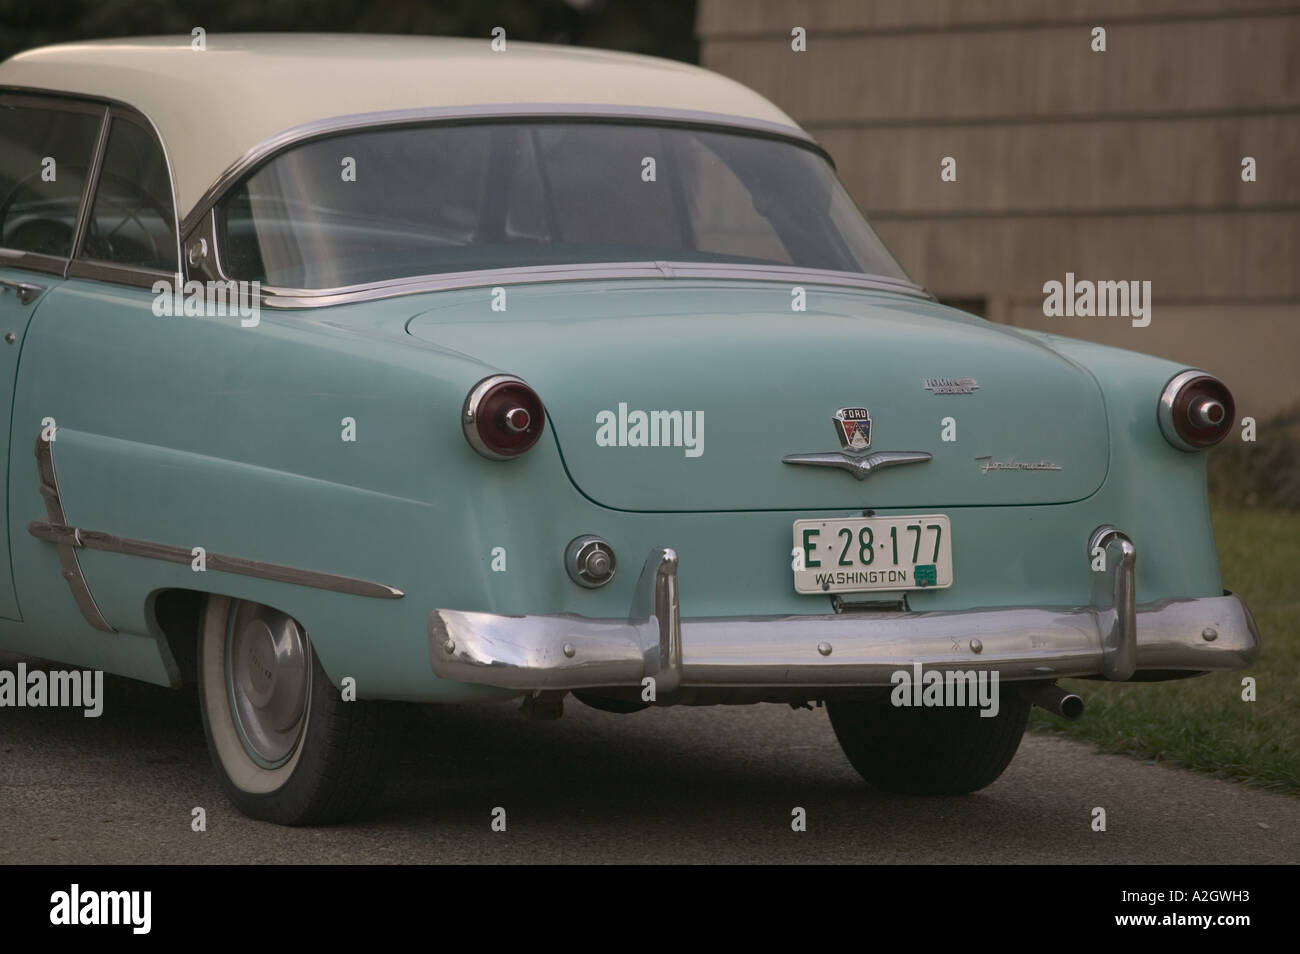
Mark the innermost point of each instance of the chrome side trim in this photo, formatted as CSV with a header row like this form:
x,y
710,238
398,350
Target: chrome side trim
x,y
335,125
275,297
859,466
1021,643
49,489
75,537
1114,595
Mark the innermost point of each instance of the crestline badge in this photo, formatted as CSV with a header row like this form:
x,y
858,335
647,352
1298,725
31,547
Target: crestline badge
x,y
853,424
951,385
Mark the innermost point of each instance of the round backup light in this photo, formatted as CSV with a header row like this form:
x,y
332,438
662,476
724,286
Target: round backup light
x,y
503,417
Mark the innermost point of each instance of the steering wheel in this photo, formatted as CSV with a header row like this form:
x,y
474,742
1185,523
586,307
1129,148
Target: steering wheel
x,y
100,246
42,236
103,242
55,229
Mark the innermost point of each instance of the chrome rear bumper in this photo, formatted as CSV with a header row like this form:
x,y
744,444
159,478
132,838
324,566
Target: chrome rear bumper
x,y
1112,637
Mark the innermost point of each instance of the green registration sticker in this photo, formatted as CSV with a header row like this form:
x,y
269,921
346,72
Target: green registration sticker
x,y
925,574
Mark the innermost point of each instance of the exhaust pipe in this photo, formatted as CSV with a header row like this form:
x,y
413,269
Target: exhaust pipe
x,y
1058,702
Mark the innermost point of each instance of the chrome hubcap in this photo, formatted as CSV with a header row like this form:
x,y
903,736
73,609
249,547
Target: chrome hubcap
x,y
268,667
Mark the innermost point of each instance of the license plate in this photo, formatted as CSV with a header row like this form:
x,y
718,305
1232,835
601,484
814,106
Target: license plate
x,y
856,554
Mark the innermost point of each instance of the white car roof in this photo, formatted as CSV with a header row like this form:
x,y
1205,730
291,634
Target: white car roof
x,y
213,108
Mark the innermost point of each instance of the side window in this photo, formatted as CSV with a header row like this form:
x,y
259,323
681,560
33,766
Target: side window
x,y
44,154
132,221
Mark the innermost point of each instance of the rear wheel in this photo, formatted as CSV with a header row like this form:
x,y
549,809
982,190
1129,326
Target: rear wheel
x,y
286,747
929,751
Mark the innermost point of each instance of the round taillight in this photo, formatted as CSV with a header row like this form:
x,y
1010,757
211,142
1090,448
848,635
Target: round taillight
x,y
502,417
1196,411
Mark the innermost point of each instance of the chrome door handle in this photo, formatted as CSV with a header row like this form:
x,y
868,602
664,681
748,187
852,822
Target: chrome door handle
x,y
25,291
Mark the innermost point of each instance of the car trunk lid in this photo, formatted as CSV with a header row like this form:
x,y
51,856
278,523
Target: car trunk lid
x,y
686,396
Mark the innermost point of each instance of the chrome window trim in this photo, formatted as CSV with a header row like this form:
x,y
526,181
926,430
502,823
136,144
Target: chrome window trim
x,y
131,275
111,107
33,261
201,221
39,98
92,177
277,297
323,128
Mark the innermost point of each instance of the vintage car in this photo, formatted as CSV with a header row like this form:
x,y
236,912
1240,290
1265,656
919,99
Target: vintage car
x,y
351,369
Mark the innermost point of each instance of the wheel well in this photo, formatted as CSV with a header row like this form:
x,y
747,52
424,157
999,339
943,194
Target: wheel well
x,y
179,615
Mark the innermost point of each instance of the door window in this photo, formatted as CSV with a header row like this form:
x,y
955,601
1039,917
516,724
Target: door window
x,y
132,221
44,154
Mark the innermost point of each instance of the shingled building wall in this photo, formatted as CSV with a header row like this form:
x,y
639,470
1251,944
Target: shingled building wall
x,y
1117,165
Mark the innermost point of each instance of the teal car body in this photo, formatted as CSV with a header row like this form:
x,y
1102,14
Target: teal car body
x,y
244,457
315,460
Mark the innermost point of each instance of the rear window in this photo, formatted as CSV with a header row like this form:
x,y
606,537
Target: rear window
x,y
401,202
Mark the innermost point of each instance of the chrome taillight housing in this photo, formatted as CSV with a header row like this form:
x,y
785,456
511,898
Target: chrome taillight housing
x,y
503,417
1196,411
